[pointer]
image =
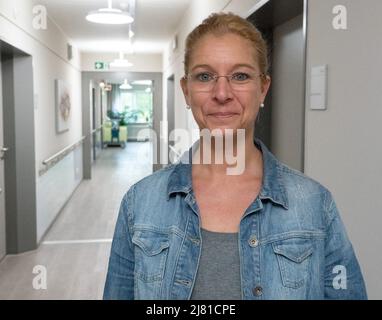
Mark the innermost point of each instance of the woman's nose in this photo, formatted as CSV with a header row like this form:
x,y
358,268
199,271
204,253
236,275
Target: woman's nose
x,y
222,91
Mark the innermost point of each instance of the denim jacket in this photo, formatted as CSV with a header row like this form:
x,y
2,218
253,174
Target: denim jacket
x,y
292,242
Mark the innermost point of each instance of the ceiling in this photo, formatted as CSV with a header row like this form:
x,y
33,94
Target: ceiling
x,y
154,25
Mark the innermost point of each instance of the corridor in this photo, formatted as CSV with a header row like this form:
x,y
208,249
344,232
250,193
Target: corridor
x,y
76,248
84,82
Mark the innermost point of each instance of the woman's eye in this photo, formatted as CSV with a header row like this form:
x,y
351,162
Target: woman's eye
x,y
240,76
204,77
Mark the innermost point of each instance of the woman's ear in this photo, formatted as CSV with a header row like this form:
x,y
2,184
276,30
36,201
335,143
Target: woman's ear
x,y
183,84
265,84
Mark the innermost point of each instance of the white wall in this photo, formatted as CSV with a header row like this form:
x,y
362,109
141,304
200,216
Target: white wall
x,y
55,187
343,147
141,62
48,49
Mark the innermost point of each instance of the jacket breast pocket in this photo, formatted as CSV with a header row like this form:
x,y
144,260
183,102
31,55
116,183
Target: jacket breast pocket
x,y
151,249
293,257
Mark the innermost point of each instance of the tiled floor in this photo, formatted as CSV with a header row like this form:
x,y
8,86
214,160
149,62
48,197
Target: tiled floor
x,y
76,249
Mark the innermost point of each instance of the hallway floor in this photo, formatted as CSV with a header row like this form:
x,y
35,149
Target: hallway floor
x,y
76,248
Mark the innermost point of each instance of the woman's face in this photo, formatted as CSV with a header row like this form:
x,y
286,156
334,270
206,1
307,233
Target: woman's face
x,y
224,107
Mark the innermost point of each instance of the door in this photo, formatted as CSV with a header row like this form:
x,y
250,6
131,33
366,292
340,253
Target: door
x,y
2,191
281,122
288,92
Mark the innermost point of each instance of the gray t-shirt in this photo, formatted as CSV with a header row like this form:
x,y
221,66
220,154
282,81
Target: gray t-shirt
x,y
218,276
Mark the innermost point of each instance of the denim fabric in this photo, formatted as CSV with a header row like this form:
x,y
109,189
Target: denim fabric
x,y
292,242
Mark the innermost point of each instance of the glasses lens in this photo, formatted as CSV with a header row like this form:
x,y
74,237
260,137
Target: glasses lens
x,y
202,82
206,82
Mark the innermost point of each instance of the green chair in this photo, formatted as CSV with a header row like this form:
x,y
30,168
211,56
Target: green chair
x,y
106,133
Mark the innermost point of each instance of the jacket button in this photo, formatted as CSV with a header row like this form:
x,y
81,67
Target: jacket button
x,y
253,242
258,291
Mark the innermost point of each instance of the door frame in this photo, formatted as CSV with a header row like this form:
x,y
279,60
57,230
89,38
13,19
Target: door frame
x,y
89,77
266,15
170,109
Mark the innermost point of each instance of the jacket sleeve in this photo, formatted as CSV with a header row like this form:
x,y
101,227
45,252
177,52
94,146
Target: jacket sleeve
x,y
343,277
120,275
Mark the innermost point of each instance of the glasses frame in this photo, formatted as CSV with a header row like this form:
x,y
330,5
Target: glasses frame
x,y
229,78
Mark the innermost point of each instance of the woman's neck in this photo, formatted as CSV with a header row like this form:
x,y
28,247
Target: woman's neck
x,y
235,157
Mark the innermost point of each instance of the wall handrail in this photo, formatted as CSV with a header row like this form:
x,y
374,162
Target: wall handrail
x,y
51,161
95,130
65,150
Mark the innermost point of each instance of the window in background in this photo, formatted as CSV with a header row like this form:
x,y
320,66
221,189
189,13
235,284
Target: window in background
x,y
136,104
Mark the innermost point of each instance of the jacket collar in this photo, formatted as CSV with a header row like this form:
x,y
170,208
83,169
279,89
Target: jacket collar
x,y
273,188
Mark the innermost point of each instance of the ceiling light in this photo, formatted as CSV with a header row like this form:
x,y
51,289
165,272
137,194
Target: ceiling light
x,y
109,16
125,85
143,82
121,62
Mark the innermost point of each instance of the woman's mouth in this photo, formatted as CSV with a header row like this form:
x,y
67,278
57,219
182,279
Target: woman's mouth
x,y
223,115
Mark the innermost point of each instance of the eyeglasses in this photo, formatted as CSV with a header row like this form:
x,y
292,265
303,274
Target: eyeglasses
x,y
206,81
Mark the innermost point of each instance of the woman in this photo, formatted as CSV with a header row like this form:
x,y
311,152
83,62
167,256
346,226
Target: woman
x,y
192,231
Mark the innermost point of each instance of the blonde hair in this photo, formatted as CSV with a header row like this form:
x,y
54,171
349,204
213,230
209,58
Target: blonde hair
x,y
220,24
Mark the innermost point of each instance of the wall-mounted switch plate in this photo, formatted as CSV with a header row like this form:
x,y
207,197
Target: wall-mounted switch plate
x,y
318,87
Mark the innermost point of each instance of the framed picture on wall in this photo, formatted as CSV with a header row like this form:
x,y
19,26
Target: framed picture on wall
x,y
63,105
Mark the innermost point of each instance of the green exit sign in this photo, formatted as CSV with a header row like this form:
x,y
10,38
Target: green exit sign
x,y
99,65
